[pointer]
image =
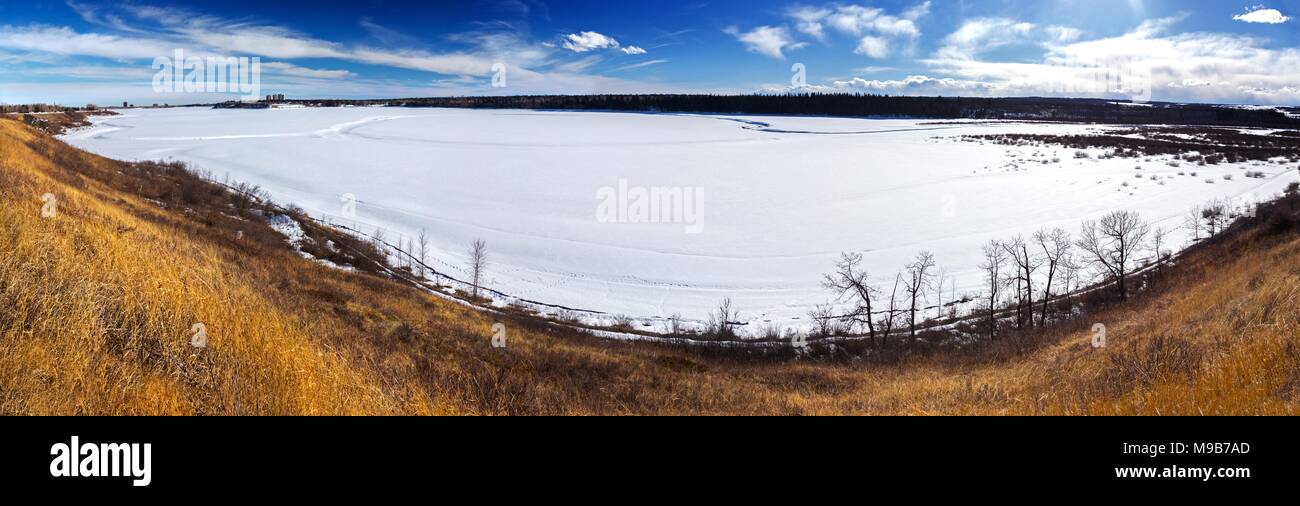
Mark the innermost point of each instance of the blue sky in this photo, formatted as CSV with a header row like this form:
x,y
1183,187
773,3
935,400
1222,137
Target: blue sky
x,y
82,51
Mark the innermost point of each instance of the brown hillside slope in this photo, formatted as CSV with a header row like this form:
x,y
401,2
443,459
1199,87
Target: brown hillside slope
x,y
97,305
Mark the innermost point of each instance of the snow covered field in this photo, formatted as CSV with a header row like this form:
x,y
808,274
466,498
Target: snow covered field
x,y
778,197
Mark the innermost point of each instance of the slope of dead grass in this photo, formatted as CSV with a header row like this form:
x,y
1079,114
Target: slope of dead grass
x,y
97,306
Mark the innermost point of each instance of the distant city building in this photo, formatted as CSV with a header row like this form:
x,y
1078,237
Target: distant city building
x,y
275,98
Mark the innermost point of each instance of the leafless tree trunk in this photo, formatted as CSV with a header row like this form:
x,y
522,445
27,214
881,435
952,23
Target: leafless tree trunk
x,y
940,279
1024,278
424,252
1056,248
723,318
478,259
1071,271
405,245
1111,243
918,279
1215,215
952,311
887,323
675,325
850,279
995,257
1192,222
824,321
1158,238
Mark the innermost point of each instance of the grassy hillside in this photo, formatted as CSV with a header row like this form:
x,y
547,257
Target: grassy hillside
x,y
98,303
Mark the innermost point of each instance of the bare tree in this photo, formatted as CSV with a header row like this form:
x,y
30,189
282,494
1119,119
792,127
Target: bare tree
x,y
940,279
1070,270
722,319
1216,216
952,309
1158,240
404,244
995,258
1025,264
919,277
887,323
825,320
1056,246
1192,222
478,262
850,279
410,254
1110,244
424,252
675,325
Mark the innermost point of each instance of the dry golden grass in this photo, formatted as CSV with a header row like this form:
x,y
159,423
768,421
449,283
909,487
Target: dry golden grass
x,y
96,307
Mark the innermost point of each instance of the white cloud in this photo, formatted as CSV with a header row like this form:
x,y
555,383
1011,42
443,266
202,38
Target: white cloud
x,y
1259,14
587,41
918,11
1063,34
856,20
134,34
1194,66
290,69
982,34
917,85
65,41
770,41
875,47
875,30
581,64
207,37
261,40
450,63
808,20
640,65
633,50
911,85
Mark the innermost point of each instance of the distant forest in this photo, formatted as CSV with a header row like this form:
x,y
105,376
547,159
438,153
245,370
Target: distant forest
x,y
856,105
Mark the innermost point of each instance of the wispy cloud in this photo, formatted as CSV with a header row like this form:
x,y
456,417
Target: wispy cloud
x,y
134,34
66,41
771,41
290,69
641,65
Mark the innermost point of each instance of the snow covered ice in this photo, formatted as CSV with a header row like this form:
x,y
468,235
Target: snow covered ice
x,y
780,197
